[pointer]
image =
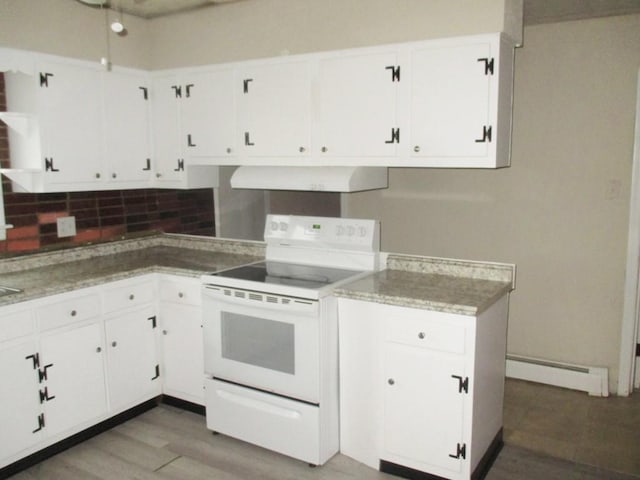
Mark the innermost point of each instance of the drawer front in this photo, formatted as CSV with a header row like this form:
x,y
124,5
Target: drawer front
x,y
425,333
15,324
58,314
276,423
126,296
185,292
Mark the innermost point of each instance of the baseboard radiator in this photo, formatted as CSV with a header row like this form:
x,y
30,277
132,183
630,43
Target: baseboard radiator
x,y
593,380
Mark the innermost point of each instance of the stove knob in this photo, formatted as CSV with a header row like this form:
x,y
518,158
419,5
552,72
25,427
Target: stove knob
x,y
351,230
274,226
362,231
339,230
284,226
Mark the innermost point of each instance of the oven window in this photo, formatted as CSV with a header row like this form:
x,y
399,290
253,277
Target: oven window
x,y
259,342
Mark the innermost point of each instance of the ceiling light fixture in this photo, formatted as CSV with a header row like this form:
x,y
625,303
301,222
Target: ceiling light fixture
x,y
117,26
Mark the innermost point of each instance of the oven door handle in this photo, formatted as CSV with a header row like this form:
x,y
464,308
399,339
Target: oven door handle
x,y
258,405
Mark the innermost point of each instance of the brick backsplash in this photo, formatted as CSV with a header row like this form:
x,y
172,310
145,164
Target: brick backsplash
x,y
99,215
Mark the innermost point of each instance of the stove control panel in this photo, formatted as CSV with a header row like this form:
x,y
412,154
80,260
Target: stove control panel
x,y
329,232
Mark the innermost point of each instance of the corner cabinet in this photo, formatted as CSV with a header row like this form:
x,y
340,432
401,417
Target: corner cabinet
x,y
421,391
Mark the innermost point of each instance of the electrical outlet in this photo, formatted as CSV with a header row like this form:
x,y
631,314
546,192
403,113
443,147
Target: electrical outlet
x,y
66,226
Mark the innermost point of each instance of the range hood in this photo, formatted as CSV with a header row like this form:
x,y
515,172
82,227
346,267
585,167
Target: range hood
x,y
319,179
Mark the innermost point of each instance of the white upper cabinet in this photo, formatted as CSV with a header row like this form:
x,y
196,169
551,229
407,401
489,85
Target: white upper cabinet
x,y
190,115
357,107
208,114
274,100
455,117
127,128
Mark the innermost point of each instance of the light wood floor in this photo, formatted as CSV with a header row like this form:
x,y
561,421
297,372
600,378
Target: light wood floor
x,y
168,443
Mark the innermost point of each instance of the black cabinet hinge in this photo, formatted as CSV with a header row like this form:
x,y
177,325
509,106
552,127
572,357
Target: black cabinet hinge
x,y
42,373
145,92
177,89
245,84
48,165
154,322
395,136
44,395
187,89
148,165
40,423
488,65
247,140
486,135
44,79
461,451
35,358
395,72
463,383
190,141
157,372
180,167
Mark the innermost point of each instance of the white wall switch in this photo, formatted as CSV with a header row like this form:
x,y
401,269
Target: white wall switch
x,y
66,226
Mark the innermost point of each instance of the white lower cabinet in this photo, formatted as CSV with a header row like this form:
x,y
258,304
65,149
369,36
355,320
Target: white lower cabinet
x,y
73,389
20,415
421,391
132,359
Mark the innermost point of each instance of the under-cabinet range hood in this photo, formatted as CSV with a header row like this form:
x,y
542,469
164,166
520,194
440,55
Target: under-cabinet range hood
x,y
319,179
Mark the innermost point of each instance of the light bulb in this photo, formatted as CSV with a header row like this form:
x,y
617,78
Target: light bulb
x,y
117,26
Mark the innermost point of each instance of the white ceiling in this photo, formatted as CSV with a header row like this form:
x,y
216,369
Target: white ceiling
x,y
535,11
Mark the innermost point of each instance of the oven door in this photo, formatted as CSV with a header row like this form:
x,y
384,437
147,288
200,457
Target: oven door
x,y
263,341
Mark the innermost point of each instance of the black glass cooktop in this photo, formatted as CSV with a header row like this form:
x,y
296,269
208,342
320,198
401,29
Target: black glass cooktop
x,y
292,274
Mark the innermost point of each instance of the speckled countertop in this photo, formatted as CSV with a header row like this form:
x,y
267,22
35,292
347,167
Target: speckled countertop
x,y
50,273
444,285
454,286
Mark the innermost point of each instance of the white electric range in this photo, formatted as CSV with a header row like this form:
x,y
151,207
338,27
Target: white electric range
x,y
271,335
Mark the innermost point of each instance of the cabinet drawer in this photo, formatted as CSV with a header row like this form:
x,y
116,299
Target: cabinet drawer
x,y
15,324
425,333
129,295
58,314
177,291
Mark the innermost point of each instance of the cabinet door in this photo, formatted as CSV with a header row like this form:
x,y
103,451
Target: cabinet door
x,y
358,104
208,114
168,159
70,108
75,379
182,349
450,101
21,407
275,109
423,410
126,105
132,361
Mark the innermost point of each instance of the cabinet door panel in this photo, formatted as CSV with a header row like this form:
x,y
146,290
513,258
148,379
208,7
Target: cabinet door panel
x,y
132,358
71,122
182,348
20,400
75,378
423,410
126,103
357,107
275,109
166,125
450,99
208,114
